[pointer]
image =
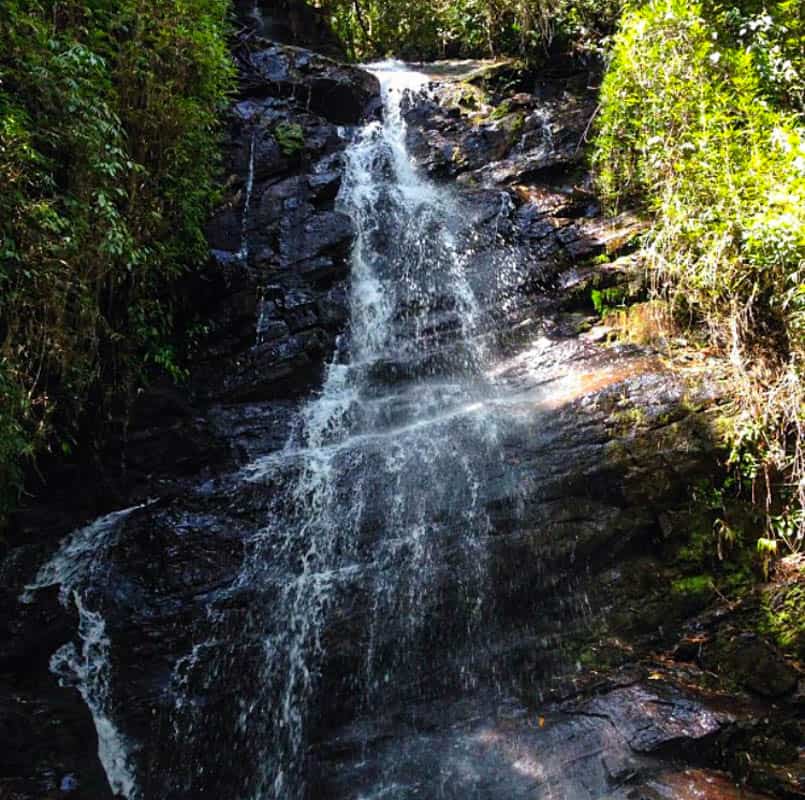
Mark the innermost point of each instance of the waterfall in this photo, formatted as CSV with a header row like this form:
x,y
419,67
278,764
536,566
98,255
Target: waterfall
x,y
75,567
394,424
368,577
378,504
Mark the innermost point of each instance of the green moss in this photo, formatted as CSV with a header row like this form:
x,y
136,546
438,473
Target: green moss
x,y
501,111
469,100
693,585
588,658
783,618
697,551
290,137
627,420
605,300
517,124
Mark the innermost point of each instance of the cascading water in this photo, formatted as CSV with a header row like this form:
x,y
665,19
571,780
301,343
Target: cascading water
x,y
243,253
372,563
390,444
410,594
75,567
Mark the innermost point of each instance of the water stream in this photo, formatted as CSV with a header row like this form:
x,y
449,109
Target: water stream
x,y
372,562
388,459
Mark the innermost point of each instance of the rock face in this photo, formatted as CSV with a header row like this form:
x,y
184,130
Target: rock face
x,y
275,298
279,246
463,529
614,741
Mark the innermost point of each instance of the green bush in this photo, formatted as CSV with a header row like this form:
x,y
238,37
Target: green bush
x,y
290,137
108,146
692,127
416,29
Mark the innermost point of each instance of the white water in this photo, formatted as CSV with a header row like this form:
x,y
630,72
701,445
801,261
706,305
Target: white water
x,y
243,253
375,501
75,566
361,442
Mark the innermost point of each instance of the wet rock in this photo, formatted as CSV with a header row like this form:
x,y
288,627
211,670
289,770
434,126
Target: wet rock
x,y
656,722
269,160
324,186
324,270
594,452
318,234
271,370
279,237
497,748
701,784
338,92
753,662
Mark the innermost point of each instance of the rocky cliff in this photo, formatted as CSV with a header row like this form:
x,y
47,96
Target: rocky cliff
x,y
591,668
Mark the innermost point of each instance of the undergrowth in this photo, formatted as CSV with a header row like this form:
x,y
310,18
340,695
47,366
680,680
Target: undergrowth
x,y
425,30
108,147
701,121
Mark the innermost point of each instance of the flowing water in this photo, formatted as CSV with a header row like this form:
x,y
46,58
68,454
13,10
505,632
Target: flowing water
x,y
387,460
371,564
75,568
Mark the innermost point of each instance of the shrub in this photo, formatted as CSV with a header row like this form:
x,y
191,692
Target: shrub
x,y
470,28
108,143
690,128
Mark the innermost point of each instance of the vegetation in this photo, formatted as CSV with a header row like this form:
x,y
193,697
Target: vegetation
x,y
108,117
290,137
468,28
108,142
782,618
701,121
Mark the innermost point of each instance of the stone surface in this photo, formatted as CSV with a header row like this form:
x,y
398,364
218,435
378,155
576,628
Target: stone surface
x,y
599,445
603,747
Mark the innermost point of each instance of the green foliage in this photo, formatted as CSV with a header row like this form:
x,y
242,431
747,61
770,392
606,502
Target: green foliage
x,y
604,300
15,441
696,585
767,550
774,36
416,29
108,147
783,617
699,125
290,137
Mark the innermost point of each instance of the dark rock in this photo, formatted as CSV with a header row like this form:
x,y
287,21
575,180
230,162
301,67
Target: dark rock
x,y
340,93
499,748
595,449
753,662
323,269
324,186
223,231
300,311
305,235
653,722
269,159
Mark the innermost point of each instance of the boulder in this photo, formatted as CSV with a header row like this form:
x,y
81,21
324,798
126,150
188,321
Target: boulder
x,y
342,94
